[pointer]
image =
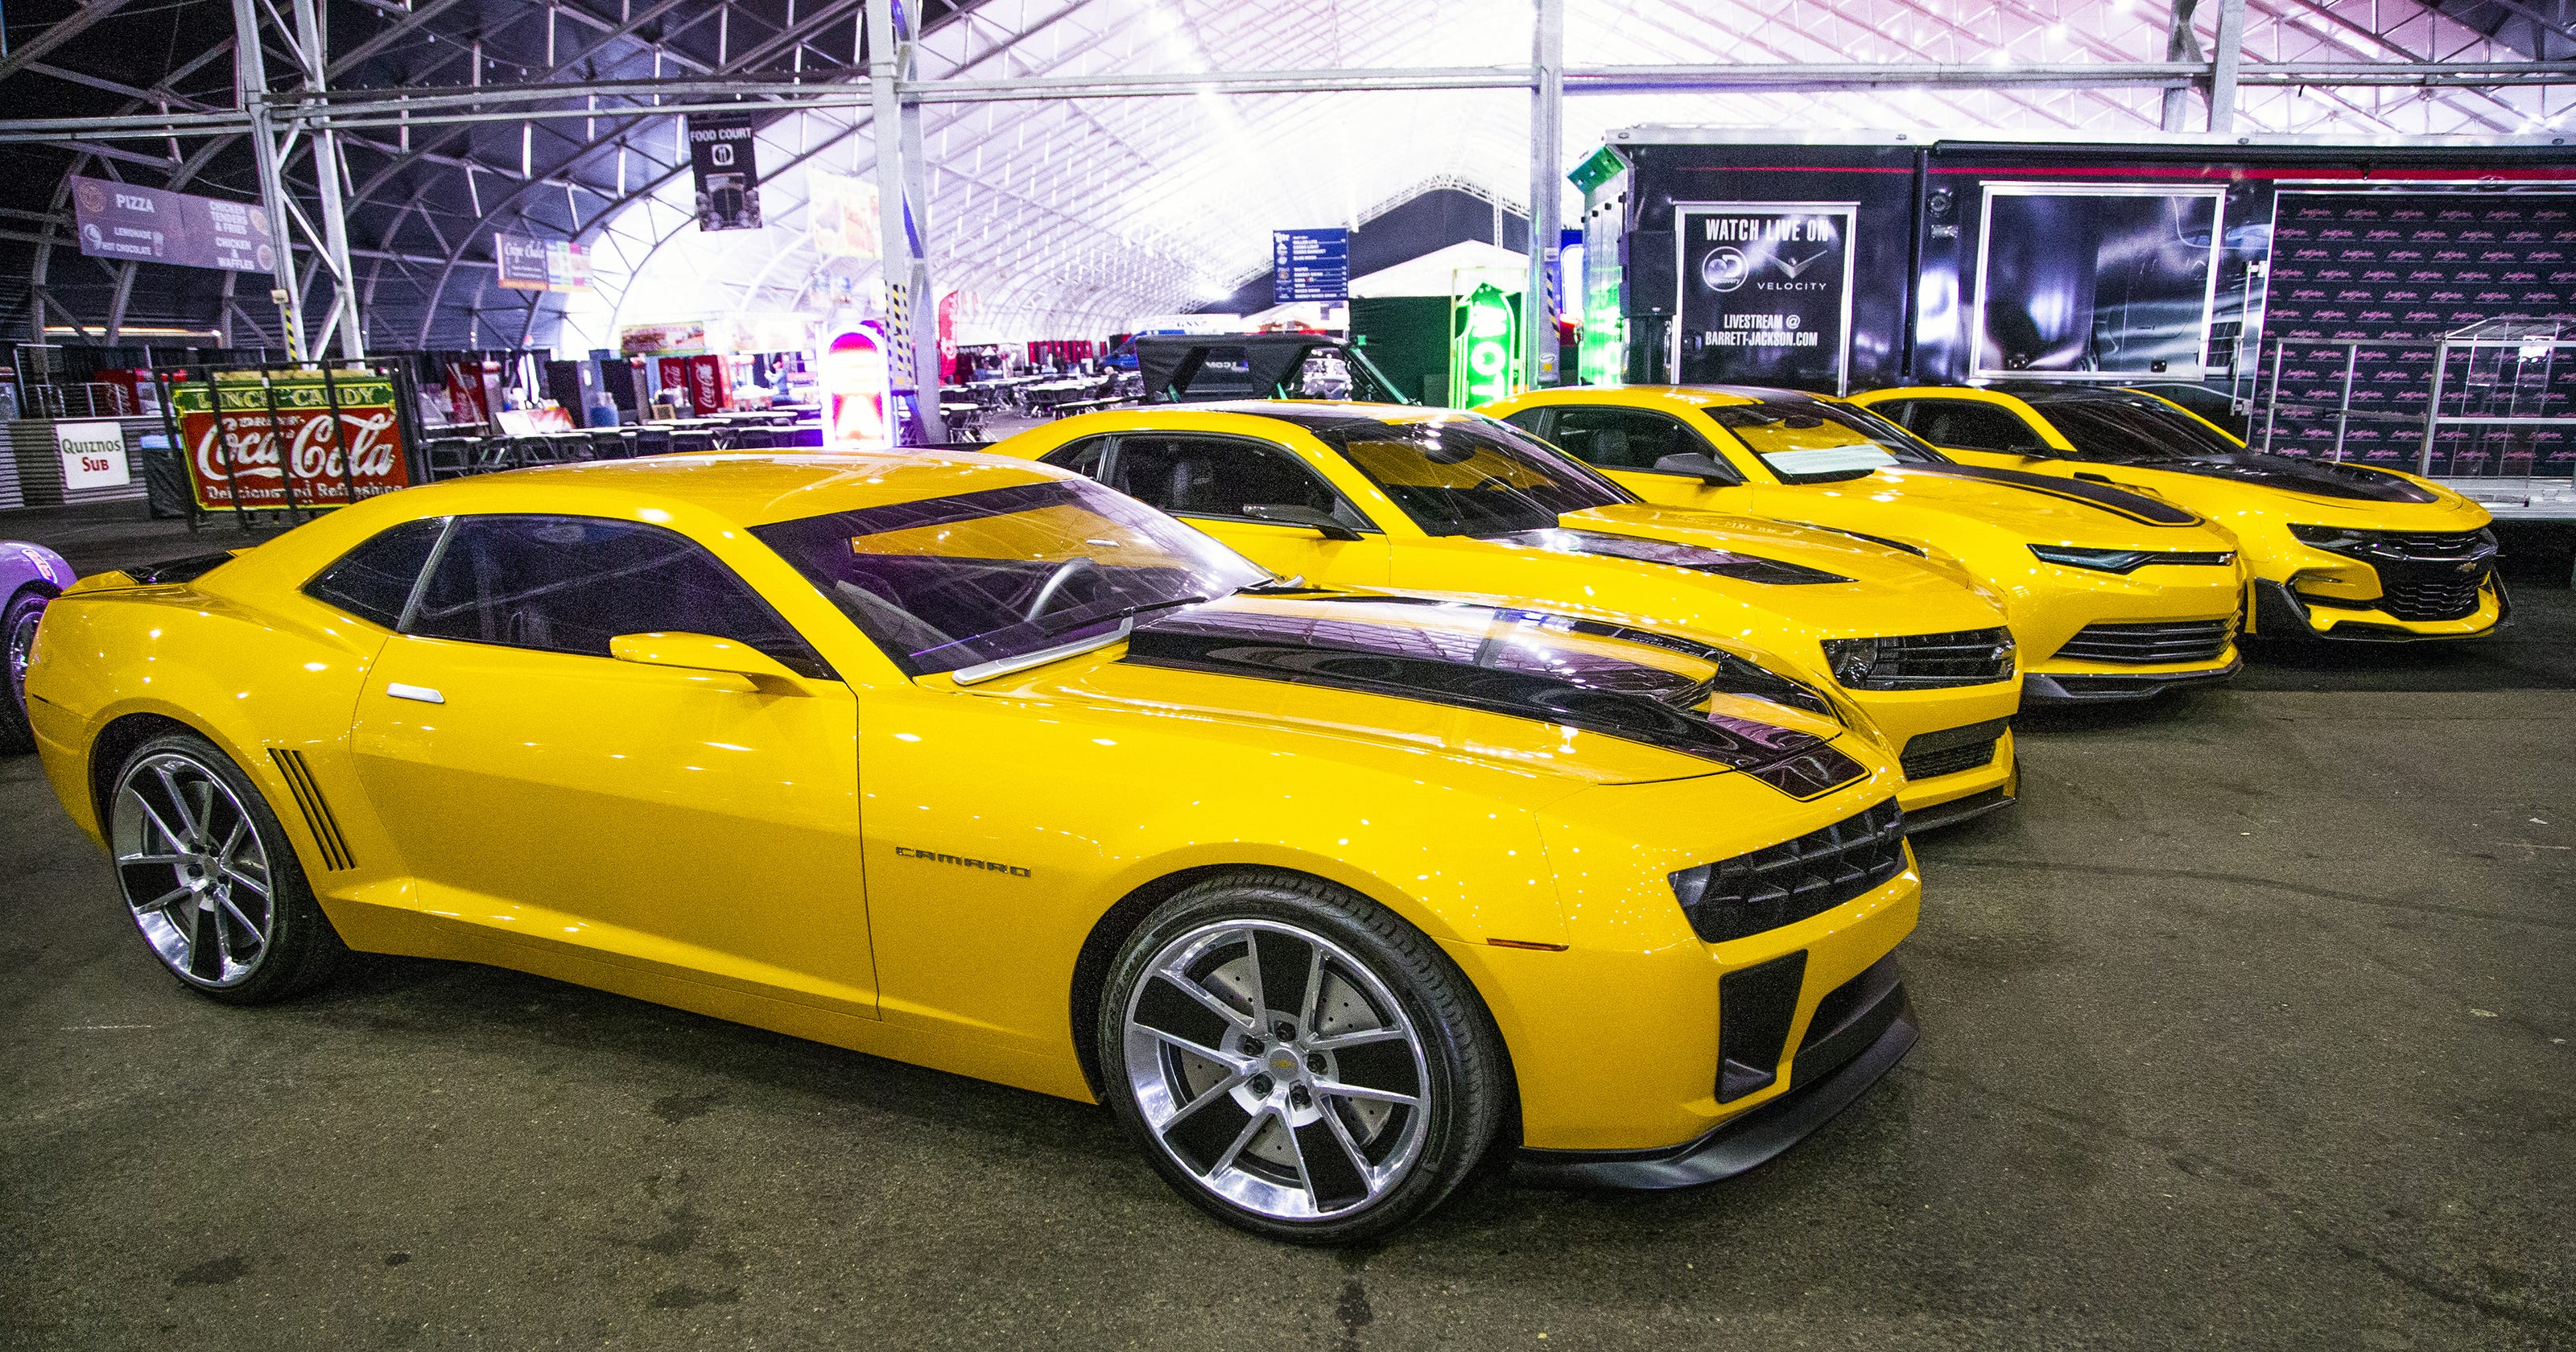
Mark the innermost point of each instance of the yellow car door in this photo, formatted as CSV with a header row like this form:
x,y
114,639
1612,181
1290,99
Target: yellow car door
x,y
1260,498
1653,455
689,821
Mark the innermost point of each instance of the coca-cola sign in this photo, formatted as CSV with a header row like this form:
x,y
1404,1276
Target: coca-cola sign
x,y
272,443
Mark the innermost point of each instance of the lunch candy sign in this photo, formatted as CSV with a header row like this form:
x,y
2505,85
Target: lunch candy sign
x,y
237,459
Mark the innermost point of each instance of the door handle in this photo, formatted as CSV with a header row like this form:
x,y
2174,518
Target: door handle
x,y
421,693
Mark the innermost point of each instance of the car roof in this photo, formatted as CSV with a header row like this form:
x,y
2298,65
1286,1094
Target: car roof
x,y
745,489
1699,395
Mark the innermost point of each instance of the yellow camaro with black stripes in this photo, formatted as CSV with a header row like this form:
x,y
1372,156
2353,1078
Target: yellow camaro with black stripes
x,y
977,764
1914,651
2111,595
2332,550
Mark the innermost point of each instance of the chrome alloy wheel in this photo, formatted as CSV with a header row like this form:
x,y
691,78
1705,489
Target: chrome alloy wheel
x,y
1277,1069
192,869
20,643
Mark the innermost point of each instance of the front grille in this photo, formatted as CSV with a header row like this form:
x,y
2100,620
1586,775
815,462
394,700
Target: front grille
x,y
2418,594
2148,644
2427,545
1788,882
1948,761
1922,661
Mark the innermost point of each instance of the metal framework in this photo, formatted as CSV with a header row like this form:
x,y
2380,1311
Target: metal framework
x,y
1075,163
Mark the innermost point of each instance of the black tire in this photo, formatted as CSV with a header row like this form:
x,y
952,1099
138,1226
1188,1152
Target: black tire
x,y
208,886
1298,1169
17,633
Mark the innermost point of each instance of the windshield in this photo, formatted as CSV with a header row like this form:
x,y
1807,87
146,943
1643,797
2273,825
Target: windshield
x,y
1813,443
2126,433
944,583
1470,475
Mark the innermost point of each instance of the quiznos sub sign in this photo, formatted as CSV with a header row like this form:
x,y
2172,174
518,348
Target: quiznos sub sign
x,y
93,455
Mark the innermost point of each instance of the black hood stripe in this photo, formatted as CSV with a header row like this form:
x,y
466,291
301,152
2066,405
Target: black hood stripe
x,y
2120,501
1258,647
2316,478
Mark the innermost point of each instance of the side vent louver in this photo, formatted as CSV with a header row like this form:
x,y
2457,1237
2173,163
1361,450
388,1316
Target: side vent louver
x,y
316,808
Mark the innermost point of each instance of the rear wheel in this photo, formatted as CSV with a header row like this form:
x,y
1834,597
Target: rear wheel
x,y
209,877
18,642
1297,1059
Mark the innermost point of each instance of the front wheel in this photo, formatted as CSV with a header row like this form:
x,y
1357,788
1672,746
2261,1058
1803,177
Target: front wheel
x,y
1298,1060
210,878
18,619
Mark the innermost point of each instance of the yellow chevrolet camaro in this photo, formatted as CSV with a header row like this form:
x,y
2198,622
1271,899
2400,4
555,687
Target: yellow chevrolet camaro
x,y
2331,550
976,764
2111,595
1916,653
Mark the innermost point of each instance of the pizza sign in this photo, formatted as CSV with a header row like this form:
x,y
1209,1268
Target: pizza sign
x,y
272,444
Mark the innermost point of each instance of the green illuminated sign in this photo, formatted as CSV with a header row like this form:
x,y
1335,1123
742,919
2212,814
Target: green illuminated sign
x,y
1484,347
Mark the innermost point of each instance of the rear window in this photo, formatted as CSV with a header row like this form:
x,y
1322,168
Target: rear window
x,y
374,581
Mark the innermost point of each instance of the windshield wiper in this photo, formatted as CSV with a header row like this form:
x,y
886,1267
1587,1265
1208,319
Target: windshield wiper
x,y
1129,613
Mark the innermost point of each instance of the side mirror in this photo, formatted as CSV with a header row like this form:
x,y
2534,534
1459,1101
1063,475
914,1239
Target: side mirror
x,y
705,652
1698,465
1322,523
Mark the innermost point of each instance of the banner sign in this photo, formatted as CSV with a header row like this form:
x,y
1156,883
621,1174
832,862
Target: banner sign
x,y
2370,282
649,340
1310,265
93,455
1484,346
237,457
120,220
541,264
726,168
1765,294
841,214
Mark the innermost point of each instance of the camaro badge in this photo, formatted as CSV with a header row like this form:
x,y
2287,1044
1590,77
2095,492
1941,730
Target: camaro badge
x,y
907,852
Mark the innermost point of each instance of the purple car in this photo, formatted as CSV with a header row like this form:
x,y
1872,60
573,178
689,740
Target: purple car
x,y
30,576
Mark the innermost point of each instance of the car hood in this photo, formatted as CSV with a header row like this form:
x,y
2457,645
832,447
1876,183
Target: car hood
x,y
1514,688
2313,478
2040,506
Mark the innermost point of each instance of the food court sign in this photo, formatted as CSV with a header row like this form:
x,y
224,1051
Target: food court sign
x,y
272,443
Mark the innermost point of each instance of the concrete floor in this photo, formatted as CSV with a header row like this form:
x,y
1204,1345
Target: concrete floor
x,y
2248,1028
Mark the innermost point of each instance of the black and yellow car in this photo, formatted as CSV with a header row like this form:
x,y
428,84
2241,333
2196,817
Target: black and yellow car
x,y
2333,550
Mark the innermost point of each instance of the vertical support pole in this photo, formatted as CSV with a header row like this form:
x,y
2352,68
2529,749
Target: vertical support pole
x,y
897,226
1539,356
925,316
2181,44
2343,411
2433,408
2272,403
2224,63
250,76
312,43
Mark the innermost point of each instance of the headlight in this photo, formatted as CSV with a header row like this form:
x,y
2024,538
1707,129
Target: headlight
x,y
2332,539
2102,560
1852,660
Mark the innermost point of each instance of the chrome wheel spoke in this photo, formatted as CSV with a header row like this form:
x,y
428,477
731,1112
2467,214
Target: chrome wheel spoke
x,y
1351,1149
1283,965
160,903
153,816
1252,1126
205,942
1362,1038
1337,1089
255,882
249,927
166,860
1240,1067
179,801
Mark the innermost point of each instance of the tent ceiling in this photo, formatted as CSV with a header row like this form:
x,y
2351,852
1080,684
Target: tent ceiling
x,y
1074,216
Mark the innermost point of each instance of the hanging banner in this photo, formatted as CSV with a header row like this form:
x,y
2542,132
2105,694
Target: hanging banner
x,y
121,220
726,167
238,456
1310,265
841,214
1766,294
541,264
652,340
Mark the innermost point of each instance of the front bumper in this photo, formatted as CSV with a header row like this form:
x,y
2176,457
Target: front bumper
x,y
1830,1072
2280,613
2112,687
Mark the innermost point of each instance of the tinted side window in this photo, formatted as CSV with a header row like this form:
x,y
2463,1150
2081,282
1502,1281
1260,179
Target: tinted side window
x,y
1083,457
1218,476
1625,438
1978,427
374,580
569,584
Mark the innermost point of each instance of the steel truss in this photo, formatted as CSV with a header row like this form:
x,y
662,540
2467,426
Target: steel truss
x,y
1040,135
